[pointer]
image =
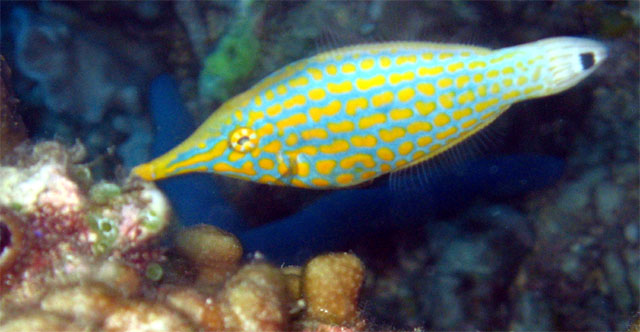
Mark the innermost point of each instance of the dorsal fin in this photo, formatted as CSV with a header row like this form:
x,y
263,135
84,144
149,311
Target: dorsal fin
x,y
405,45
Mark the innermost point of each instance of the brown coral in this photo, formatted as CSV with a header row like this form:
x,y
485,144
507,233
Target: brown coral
x,y
215,252
202,310
331,284
292,275
635,326
255,299
209,245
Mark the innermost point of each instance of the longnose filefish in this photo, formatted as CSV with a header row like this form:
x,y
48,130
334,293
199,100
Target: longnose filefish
x,y
352,114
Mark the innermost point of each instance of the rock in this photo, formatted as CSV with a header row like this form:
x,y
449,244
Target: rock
x,y
86,302
608,200
631,232
616,278
36,320
142,316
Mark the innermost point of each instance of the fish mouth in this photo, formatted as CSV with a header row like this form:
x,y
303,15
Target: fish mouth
x,y
144,171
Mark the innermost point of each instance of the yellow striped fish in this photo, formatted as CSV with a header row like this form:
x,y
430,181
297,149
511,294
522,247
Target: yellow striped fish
x,y
352,114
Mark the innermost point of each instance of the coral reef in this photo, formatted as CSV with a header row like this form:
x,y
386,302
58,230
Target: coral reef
x,y
77,255
111,296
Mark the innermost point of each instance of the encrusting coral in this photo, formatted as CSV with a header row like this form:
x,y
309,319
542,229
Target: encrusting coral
x,y
75,255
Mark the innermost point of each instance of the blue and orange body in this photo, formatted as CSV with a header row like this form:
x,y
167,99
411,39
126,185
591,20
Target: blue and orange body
x,y
349,115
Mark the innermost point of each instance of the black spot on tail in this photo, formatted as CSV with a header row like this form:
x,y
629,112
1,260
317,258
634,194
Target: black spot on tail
x,y
587,60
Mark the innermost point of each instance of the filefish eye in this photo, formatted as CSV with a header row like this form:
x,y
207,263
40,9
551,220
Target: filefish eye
x,y
243,139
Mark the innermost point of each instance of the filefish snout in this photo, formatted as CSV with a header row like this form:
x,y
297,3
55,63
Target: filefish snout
x,y
206,144
144,171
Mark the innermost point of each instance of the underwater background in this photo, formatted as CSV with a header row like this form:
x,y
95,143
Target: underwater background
x,y
537,230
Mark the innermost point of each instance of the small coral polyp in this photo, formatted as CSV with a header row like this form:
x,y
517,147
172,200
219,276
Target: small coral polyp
x,y
105,232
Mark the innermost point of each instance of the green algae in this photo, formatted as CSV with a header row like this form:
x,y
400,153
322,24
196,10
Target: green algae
x,y
154,272
233,60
